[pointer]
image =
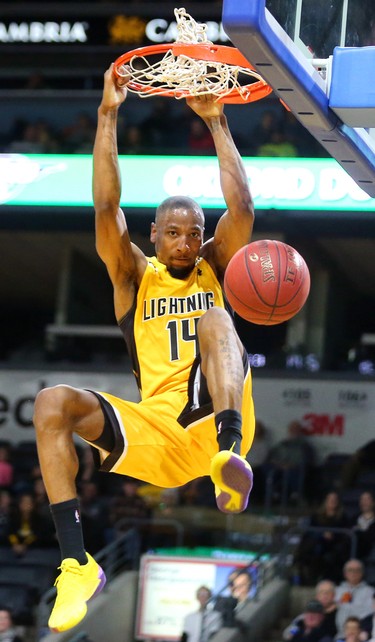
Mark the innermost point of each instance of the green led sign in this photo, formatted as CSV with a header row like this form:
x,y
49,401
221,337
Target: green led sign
x,y
276,183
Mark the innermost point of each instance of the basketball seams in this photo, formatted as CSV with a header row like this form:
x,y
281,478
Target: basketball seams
x,y
277,247
246,258
278,272
235,296
302,280
266,314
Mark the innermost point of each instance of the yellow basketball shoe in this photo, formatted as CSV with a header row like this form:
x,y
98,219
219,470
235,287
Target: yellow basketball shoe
x,y
76,584
233,479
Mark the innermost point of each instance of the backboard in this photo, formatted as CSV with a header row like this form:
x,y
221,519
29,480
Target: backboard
x,y
293,44
318,26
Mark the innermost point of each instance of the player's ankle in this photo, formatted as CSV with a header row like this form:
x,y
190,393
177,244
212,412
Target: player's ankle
x,y
228,425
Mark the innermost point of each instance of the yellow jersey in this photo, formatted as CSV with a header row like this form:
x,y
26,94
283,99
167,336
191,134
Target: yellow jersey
x,y
161,328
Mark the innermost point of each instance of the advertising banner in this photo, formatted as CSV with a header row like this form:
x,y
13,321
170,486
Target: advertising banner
x,y
337,415
276,183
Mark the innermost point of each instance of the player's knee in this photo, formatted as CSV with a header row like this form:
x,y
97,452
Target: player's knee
x,y
50,404
213,321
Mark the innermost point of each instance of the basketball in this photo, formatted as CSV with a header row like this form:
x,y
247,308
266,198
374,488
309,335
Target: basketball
x,y
267,282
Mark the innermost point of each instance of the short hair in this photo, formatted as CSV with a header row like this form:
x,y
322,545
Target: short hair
x,y
331,585
353,618
244,573
176,202
358,562
204,588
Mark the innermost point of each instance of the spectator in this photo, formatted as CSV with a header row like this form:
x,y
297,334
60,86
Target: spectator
x,y
127,504
324,550
6,467
28,141
89,472
79,136
352,630
26,527
277,146
289,461
47,137
200,140
132,142
8,632
169,499
364,527
310,628
5,510
325,594
42,507
40,496
201,625
354,596
157,128
362,461
264,130
198,492
241,590
299,136
368,624
94,515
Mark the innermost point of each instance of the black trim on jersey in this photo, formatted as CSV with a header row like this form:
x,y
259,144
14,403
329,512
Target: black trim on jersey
x,y
126,325
111,423
227,305
205,407
190,414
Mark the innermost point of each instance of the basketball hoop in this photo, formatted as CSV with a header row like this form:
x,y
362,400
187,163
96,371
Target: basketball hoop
x,y
191,66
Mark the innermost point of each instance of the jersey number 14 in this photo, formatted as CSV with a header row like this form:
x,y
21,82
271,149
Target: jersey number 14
x,y
180,331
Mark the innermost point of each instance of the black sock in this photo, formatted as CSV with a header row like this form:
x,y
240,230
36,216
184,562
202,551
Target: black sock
x,y
229,436
67,519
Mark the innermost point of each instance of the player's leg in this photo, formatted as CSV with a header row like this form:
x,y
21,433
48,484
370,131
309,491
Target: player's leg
x,y
222,364
221,359
59,413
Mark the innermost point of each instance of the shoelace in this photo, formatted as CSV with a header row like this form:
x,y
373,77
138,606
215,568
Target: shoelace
x,y
68,568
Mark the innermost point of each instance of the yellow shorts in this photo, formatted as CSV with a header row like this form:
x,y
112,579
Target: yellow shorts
x,y
156,441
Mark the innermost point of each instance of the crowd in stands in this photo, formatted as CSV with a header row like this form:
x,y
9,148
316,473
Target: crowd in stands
x,y
164,131
111,504
342,612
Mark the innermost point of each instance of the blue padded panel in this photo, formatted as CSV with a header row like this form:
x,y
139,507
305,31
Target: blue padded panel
x,y
352,91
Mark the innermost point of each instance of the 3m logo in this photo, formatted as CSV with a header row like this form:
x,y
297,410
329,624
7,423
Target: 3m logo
x,y
314,424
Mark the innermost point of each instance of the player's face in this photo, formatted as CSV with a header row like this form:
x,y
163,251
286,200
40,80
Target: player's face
x,y
178,237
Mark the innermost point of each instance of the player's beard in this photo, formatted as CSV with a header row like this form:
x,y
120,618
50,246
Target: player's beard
x,y
180,272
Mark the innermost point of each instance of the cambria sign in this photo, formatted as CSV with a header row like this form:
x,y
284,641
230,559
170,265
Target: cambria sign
x,y
116,30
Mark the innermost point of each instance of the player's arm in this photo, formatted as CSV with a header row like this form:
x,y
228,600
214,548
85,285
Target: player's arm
x,y
234,228
124,261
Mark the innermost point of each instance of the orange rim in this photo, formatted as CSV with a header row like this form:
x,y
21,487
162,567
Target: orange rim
x,y
198,51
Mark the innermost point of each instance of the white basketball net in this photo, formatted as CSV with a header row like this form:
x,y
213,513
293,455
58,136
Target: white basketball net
x,y
184,75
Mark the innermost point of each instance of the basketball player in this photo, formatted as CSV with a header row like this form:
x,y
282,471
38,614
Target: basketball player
x,y
196,413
